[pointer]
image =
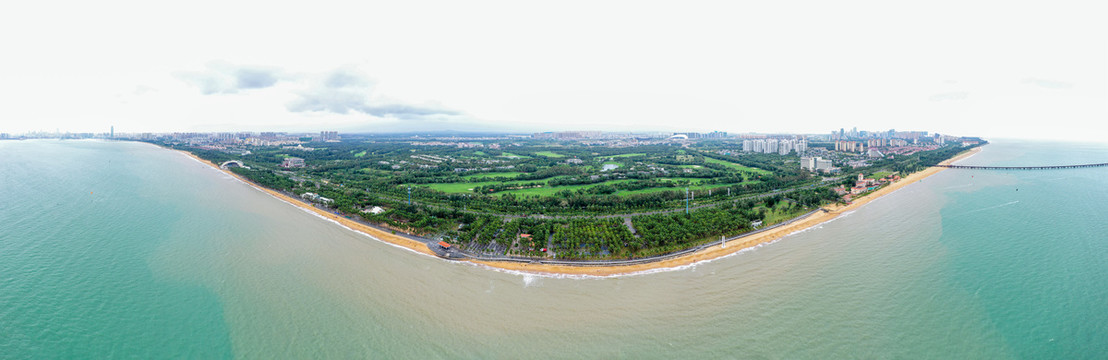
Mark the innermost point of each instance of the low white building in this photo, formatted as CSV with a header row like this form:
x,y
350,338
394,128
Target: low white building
x,y
814,164
291,162
313,197
823,165
808,163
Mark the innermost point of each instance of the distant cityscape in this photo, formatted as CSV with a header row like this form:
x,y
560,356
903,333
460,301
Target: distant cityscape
x,y
823,153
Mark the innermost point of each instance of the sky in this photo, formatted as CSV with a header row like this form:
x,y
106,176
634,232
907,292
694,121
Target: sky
x,y
996,69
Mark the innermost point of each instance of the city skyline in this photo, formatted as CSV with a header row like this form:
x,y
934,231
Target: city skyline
x,y
766,68
328,134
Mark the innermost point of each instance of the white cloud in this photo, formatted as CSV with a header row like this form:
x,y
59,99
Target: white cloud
x,y
345,90
734,66
225,78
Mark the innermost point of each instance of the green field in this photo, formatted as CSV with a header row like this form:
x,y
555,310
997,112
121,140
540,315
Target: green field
x,y
880,174
547,191
360,154
782,212
493,174
508,155
466,186
736,166
456,187
550,154
682,188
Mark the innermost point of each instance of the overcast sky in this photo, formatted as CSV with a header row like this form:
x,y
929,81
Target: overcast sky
x,y
995,69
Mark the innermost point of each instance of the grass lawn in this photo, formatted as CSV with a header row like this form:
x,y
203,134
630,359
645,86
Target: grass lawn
x,y
466,186
456,187
550,154
650,190
375,172
880,174
682,188
508,155
736,166
781,212
547,191
479,153
360,154
492,174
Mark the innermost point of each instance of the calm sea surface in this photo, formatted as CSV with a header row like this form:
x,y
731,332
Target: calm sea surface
x,y
116,249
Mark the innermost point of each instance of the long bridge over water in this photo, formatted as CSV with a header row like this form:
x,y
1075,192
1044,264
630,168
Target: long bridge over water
x,y
1051,167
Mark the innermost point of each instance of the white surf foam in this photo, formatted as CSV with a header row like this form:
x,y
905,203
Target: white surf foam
x,y
958,186
994,207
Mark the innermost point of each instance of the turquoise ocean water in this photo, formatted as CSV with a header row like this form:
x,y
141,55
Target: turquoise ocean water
x,y
118,249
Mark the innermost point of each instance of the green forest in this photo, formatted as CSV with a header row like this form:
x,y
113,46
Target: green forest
x,y
554,199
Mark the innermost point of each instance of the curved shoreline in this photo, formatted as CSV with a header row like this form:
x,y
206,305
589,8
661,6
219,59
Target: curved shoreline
x,y
707,254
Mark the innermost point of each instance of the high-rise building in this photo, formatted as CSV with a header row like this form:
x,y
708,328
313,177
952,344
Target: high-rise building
x,y
224,137
850,146
328,135
771,146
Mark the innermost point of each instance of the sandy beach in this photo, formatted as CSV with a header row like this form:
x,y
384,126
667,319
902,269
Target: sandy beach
x,y
375,233
710,253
